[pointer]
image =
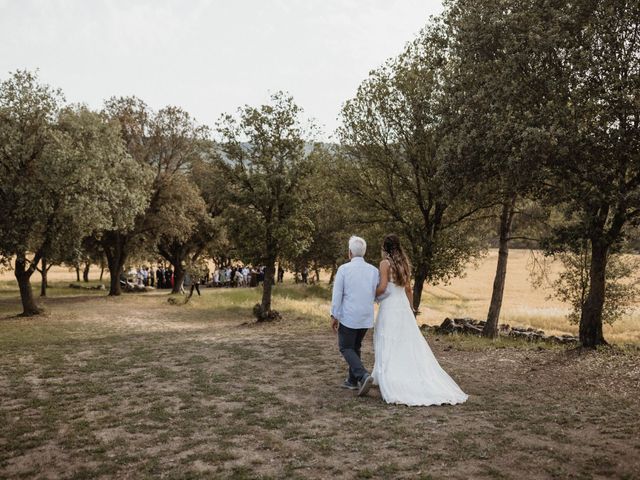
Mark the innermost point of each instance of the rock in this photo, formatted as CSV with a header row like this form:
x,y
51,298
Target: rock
x,y
447,326
473,329
469,326
428,328
525,335
466,321
570,340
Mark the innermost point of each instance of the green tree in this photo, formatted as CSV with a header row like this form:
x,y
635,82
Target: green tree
x,y
133,117
265,166
397,172
166,143
332,216
493,100
593,162
183,241
28,111
571,285
178,219
63,172
211,181
621,286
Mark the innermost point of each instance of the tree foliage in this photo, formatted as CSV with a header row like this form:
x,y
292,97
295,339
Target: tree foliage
x,y
165,143
493,98
265,165
572,283
592,172
392,133
65,172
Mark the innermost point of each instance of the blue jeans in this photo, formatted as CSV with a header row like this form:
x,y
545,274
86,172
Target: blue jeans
x,y
350,343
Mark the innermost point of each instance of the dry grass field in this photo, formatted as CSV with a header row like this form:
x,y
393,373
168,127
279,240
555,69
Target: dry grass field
x,y
523,305
466,297
134,387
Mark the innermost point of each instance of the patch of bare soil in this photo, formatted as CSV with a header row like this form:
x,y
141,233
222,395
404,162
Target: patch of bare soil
x,y
136,388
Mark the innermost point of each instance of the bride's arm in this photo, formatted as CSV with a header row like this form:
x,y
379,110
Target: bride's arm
x,y
384,277
409,292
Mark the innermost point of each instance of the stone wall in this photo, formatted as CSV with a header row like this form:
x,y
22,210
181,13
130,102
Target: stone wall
x,y
469,326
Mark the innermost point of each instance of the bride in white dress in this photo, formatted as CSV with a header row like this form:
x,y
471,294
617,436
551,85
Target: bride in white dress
x,y
405,368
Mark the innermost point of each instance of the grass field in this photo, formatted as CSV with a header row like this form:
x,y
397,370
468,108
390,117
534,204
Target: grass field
x,y
134,387
465,297
523,305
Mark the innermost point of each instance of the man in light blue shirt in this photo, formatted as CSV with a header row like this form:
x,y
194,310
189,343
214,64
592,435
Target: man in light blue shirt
x,y
354,291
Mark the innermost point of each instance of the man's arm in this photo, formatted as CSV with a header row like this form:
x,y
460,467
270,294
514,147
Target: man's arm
x,y
336,300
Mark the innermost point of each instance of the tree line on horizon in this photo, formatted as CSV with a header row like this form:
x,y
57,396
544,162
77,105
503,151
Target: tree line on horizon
x,y
500,122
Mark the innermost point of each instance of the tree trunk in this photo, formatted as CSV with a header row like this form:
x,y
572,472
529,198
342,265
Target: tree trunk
x,y
85,272
334,269
43,273
420,277
491,327
115,246
115,263
101,266
23,276
267,287
317,270
176,255
114,282
77,273
178,277
591,316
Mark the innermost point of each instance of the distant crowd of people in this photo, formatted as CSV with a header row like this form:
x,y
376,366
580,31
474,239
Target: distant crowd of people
x,y
238,276
231,276
160,277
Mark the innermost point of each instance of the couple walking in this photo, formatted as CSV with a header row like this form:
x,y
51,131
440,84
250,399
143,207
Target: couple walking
x,y
405,369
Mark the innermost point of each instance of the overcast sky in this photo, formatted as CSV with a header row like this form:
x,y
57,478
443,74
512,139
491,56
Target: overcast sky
x,y
208,56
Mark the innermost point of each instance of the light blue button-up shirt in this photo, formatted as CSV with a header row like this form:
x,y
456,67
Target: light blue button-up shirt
x,y
354,291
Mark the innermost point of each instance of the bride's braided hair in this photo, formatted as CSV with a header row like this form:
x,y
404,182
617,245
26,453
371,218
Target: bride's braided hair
x,y
400,265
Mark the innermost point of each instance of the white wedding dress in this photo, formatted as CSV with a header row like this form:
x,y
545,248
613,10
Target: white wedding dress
x,y
405,368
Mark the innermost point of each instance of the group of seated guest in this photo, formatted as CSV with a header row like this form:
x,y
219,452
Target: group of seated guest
x,y
238,276
231,276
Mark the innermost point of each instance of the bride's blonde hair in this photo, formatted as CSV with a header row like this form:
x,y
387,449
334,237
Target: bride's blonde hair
x,y
400,264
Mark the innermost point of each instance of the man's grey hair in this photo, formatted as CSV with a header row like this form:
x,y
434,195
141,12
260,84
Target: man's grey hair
x,y
357,246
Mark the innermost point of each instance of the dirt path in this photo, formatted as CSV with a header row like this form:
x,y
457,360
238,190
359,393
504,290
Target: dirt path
x,y
135,388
